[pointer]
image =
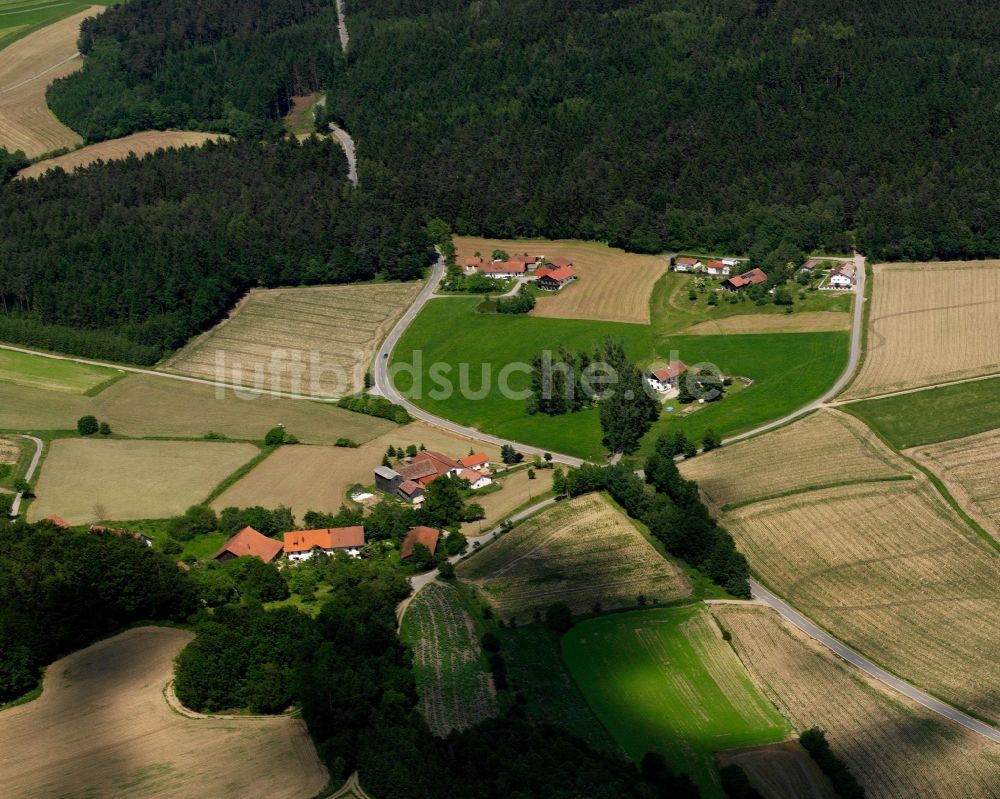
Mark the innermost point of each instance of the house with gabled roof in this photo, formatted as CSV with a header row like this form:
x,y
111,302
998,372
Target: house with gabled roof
x,y
478,461
554,279
248,542
736,283
302,544
717,268
667,378
503,270
473,263
427,536
685,264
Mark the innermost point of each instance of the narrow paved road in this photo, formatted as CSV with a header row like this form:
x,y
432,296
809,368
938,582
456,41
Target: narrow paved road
x,y
855,659
15,508
345,38
347,143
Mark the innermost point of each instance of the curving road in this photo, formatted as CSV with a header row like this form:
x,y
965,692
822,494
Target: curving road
x,y
347,143
15,508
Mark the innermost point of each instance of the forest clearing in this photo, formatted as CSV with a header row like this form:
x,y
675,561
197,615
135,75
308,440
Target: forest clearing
x,y
138,144
454,683
665,680
109,732
823,449
322,338
27,67
930,323
612,285
892,571
583,552
896,748
87,480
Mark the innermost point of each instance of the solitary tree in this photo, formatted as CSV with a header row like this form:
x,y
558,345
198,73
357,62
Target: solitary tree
x,y
87,425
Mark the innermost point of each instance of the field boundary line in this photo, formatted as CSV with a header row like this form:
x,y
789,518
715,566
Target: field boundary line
x,y
29,473
41,74
175,704
809,489
917,390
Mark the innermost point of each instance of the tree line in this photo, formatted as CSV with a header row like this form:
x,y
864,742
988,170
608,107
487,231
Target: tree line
x,y
128,259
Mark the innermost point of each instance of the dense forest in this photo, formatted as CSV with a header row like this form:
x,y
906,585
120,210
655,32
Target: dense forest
x,y
733,124
128,259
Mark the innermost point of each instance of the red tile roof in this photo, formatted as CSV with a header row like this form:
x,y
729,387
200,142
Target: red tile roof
x,y
58,521
754,276
670,371
442,462
525,259
477,459
715,265
470,475
557,262
326,538
409,488
418,470
250,542
688,261
559,275
475,261
502,267
427,536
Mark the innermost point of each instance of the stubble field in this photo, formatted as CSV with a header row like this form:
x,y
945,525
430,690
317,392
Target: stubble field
x,y
456,690
139,144
324,338
892,571
969,468
825,448
665,681
896,748
781,771
930,323
612,285
108,731
86,480
582,551
27,67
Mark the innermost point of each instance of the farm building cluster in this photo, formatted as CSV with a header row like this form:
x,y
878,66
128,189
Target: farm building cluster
x,y
548,274
301,545
839,275
409,480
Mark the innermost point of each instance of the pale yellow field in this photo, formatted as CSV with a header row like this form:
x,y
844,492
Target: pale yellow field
x,y
10,451
146,405
743,324
86,480
970,468
827,447
896,748
116,149
780,771
891,570
931,323
517,490
27,67
580,551
612,285
322,338
103,728
318,478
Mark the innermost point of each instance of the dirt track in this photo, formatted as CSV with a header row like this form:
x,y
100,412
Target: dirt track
x,y
103,728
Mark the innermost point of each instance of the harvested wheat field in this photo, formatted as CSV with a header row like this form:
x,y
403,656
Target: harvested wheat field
x,y
138,144
321,338
27,67
103,728
85,480
895,747
453,681
969,468
825,448
517,490
318,478
582,551
780,771
612,285
744,324
930,323
891,570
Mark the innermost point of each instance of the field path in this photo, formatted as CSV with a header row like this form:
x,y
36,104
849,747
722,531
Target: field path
x,y
917,390
15,508
345,38
348,144
859,661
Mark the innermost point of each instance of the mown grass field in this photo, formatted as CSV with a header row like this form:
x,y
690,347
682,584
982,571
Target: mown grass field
x,y
825,448
665,681
86,480
930,323
52,374
453,680
895,747
109,732
322,337
581,552
935,414
18,18
788,370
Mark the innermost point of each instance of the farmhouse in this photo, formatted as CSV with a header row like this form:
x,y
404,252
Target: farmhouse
x,y
717,268
427,466
529,261
479,461
739,282
301,544
687,265
472,264
667,378
392,482
503,270
249,542
427,536
841,277
554,279
476,480
811,265
557,263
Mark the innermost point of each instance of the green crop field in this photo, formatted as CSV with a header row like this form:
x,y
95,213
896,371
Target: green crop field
x,y
52,374
665,681
935,414
18,18
788,370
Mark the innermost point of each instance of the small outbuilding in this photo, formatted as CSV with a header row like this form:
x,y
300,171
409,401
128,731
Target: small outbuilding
x,y
427,536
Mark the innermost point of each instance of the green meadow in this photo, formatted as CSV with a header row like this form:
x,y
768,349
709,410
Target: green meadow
x,y
788,370
18,18
53,374
665,681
